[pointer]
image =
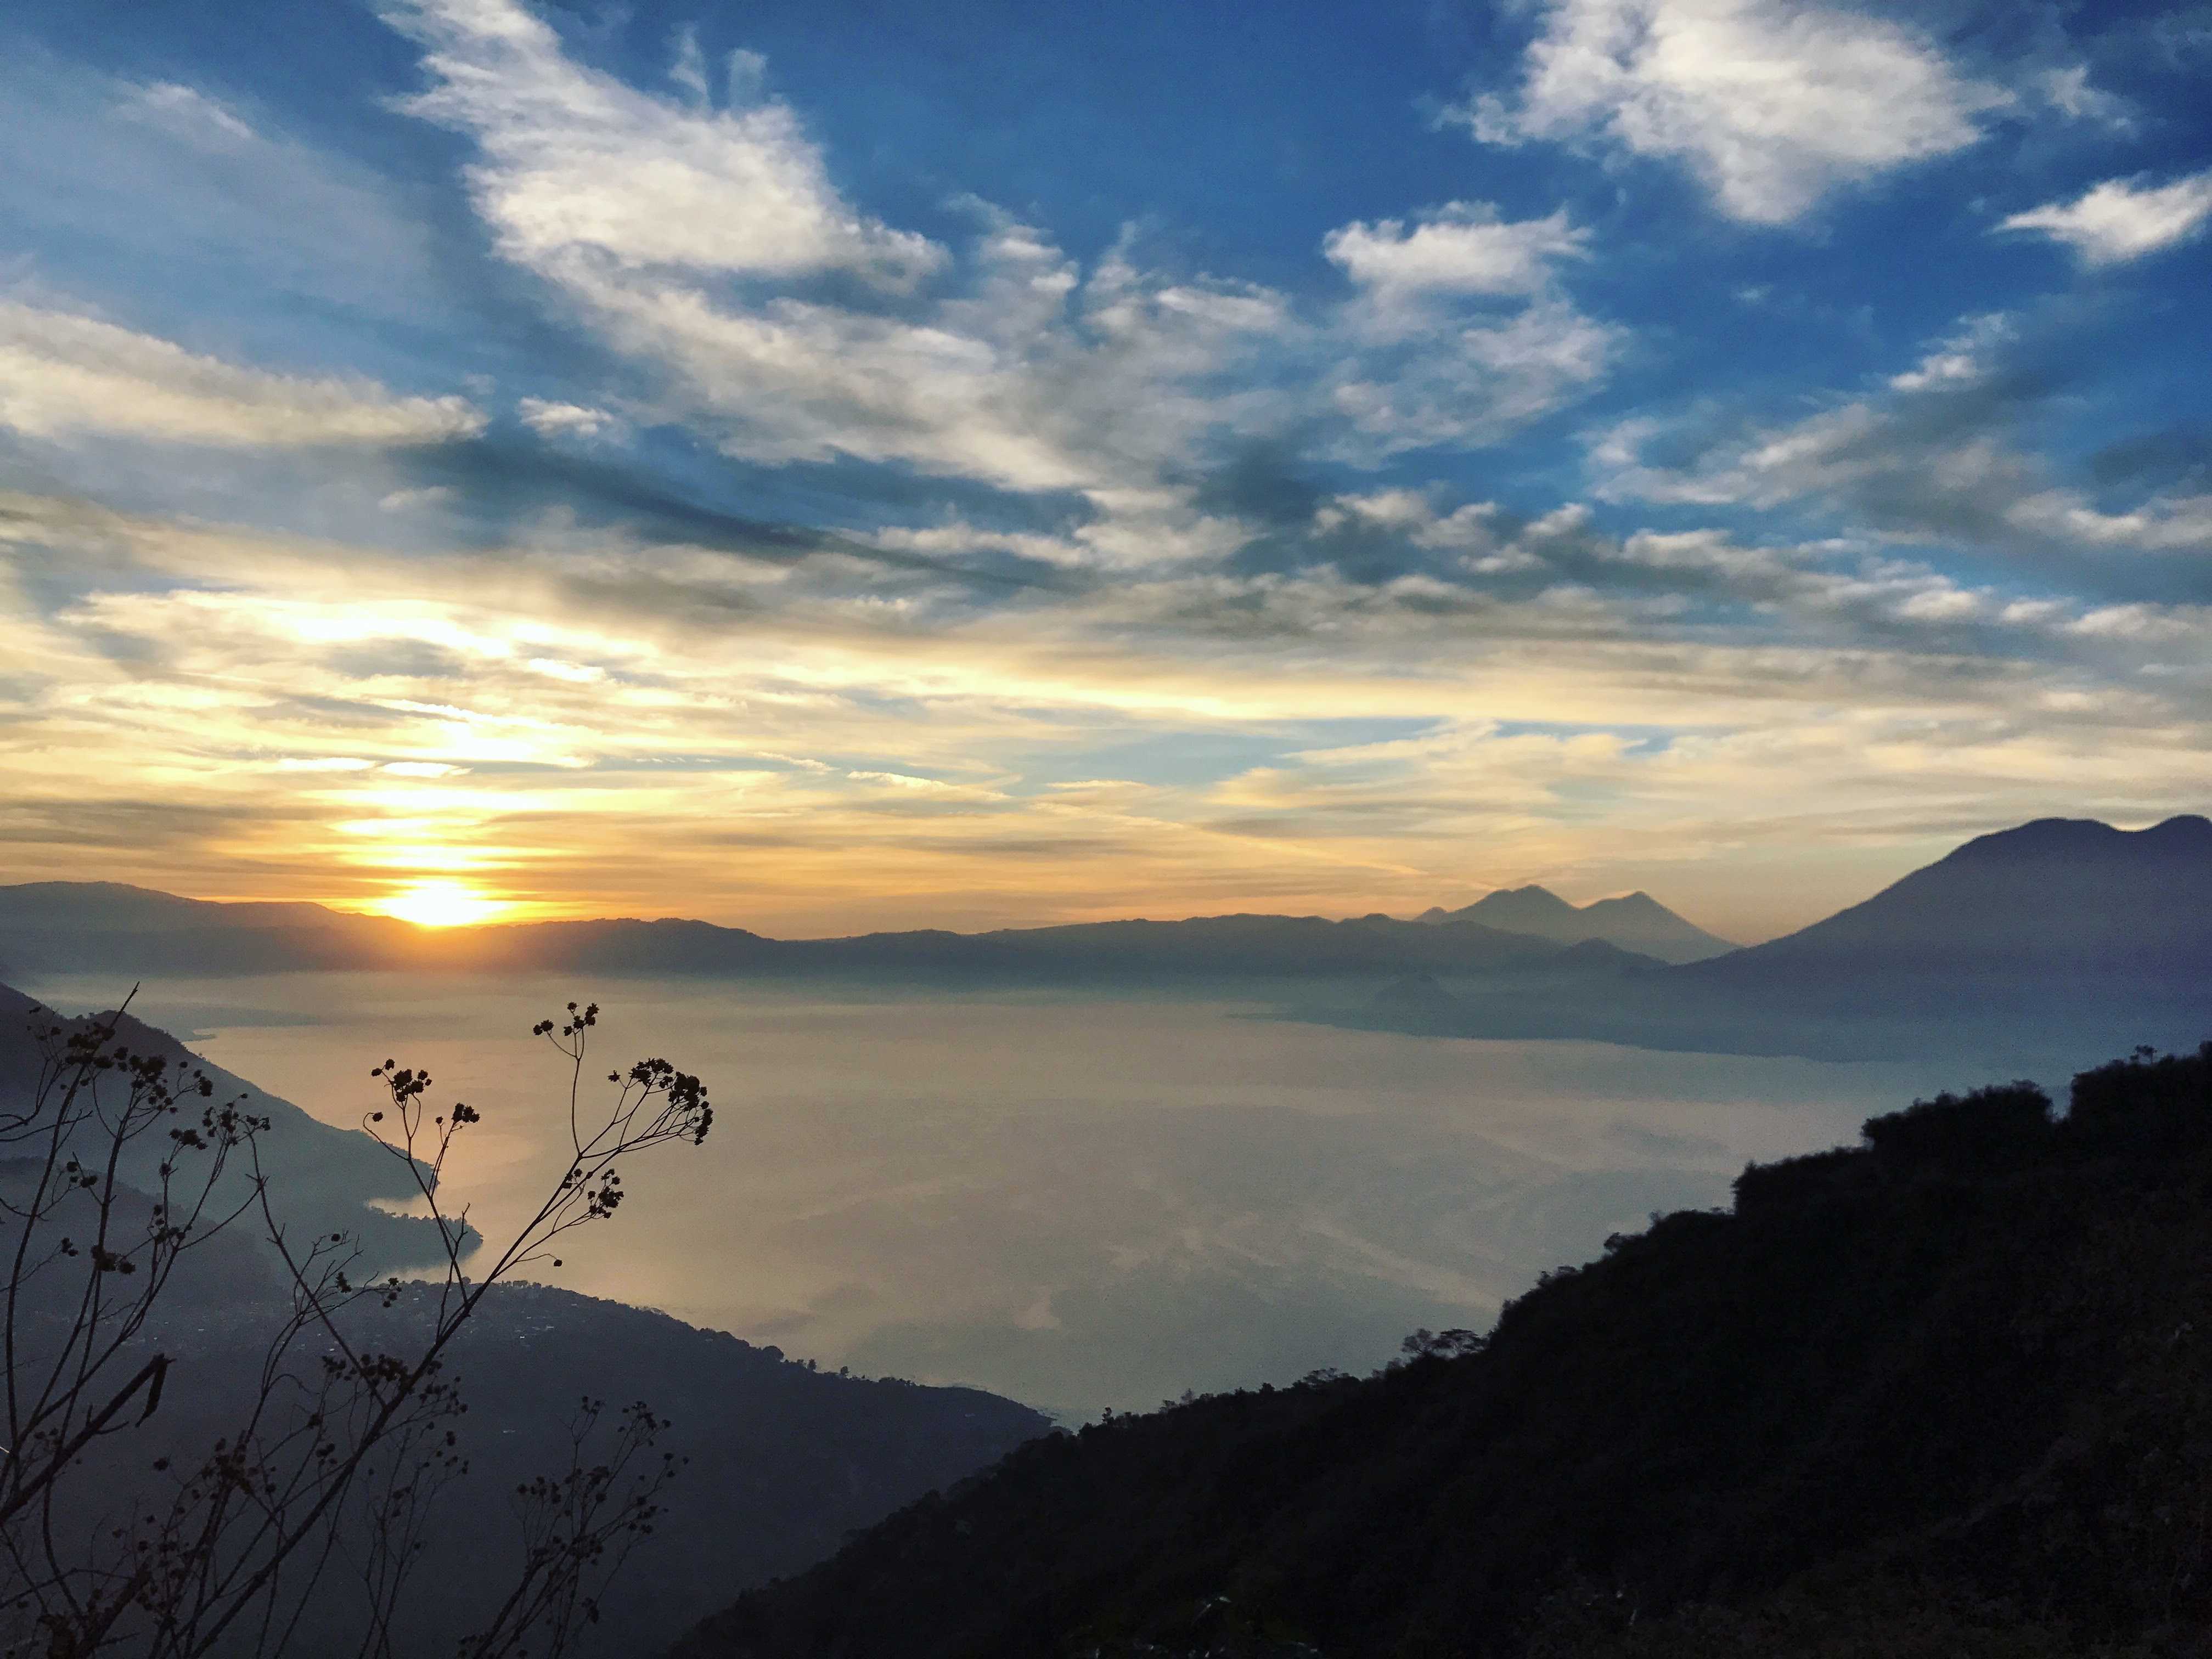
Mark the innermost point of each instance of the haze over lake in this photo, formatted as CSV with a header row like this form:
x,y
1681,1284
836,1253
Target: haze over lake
x,y
1076,1200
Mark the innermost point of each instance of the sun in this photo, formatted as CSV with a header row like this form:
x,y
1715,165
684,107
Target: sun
x,y
442,904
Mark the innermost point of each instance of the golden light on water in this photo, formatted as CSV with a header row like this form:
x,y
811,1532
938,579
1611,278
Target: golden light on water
x,y
442,904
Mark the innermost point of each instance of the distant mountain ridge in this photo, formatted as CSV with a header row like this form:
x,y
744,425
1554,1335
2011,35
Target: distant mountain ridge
x,y
53,927
1635,922
2035,946
2041,944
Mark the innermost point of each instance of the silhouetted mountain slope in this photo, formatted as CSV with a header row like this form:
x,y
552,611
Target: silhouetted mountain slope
x,y
323,1178
104,927
1635,922
59,927
1950,1393
2065,896
782,1462
2035,949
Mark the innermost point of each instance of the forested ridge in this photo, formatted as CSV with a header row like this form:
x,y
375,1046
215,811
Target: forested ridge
x,y
1944,1392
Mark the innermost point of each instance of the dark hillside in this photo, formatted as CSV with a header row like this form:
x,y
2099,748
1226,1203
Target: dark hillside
x,y
781,1461
2059,896
1945,1392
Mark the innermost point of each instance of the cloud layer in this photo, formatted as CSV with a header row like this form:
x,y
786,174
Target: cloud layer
x,y
626,474
62,375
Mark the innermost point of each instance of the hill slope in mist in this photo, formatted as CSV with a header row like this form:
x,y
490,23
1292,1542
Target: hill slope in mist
x,y
1947,1393
322,1178
781,1462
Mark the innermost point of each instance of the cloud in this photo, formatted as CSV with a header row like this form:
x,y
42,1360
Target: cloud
x,y
1462,383
710,249
632,206
62,374
1460,248
576,161
2069,92
1307,740
2121,219
166,183
1933,455
188,113
1774,104
1435,361
552,419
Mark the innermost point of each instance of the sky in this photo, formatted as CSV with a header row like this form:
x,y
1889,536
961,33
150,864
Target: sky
x,y
870,463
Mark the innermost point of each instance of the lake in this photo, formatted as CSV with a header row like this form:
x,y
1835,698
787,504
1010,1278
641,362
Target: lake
x,y
1082,1201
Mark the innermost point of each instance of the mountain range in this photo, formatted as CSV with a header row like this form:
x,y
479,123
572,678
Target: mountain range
x,y
53,927
1635,922
2051,942
2032,948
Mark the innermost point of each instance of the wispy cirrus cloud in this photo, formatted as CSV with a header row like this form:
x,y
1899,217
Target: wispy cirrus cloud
x,y
1934,453
1004,361
2123,219
1774,104
62,374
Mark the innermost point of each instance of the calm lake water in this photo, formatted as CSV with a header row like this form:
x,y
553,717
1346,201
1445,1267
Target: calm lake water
x,y
1078,1201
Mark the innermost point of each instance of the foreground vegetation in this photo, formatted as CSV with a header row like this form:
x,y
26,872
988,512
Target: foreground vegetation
x,y
1947,1393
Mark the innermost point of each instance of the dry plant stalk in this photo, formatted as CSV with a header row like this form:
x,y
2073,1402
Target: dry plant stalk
x,y
338,1446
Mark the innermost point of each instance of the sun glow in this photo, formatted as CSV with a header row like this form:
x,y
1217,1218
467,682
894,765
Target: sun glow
x,y
442,904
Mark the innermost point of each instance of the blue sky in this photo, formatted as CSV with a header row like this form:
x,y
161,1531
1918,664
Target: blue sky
x,y
979,464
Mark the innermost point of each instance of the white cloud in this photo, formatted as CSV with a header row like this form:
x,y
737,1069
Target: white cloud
x,y
2162,524
2069,92
1009,363
62,374
559,420
185,112
2123,220
575,159
407,500
1460,248
1774,104
1435,362
167,181
1464,383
